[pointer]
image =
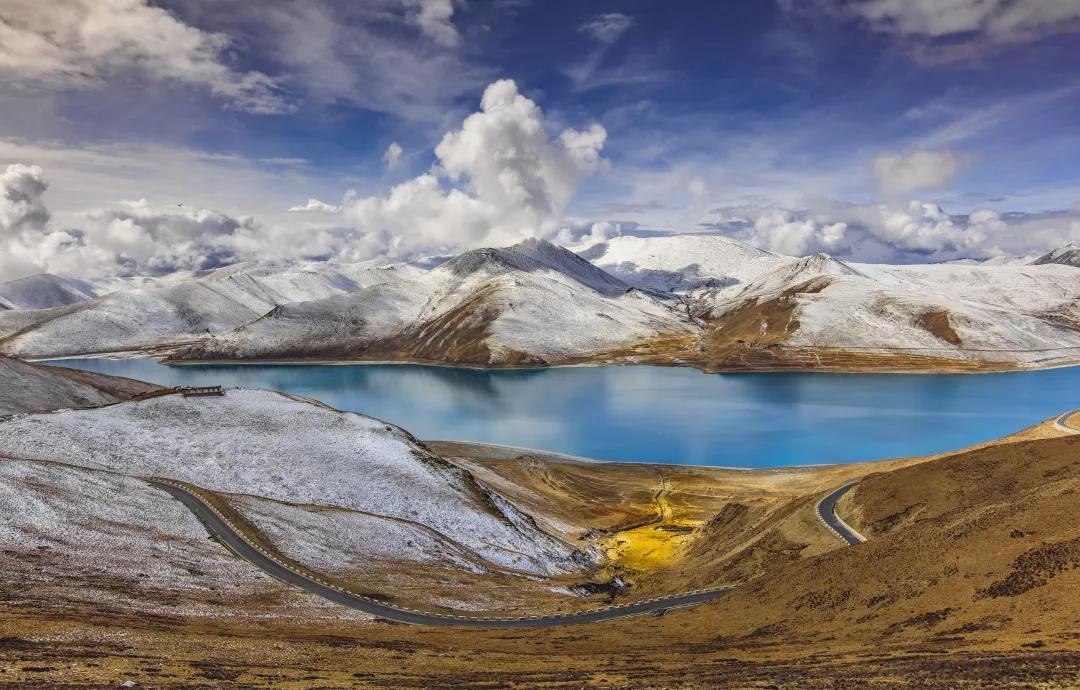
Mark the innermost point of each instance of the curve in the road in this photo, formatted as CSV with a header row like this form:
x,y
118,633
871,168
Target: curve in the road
x,y
1062,422
228,534
826,512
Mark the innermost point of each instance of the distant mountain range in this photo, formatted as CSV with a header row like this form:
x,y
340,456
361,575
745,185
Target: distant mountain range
x,y
694,300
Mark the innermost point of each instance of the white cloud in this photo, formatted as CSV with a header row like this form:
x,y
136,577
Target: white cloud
x,y
79,44
499,178
949,29
365,54
901,232
921,169
392,155
585,232
1001,20
314,205
21,208
433,18
607,28
136,239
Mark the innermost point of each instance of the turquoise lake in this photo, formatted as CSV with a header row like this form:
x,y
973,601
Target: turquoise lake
x,y
663,414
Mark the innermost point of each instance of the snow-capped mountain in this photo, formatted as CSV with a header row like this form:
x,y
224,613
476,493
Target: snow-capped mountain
x,y
697,300
179,307
43,291
681,263
533,303
1067,255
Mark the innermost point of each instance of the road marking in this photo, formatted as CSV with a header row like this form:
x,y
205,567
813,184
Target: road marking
x,y
821,515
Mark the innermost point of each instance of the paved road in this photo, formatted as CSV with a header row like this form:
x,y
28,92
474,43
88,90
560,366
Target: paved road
x,y
1062,423
826,507
826,512
221,528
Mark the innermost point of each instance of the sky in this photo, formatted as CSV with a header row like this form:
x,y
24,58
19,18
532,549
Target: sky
x,y
143,137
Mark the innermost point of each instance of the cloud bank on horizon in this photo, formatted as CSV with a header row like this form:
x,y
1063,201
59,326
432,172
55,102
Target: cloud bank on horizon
x,y
350,131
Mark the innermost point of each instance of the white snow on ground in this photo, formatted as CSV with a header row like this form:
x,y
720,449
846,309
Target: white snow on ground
x,y
849,314
182,306
271,445
43,291
534,285
518,292
337,541
110,538
539,302
1067,255
323,325
680,263
1016,288
587,323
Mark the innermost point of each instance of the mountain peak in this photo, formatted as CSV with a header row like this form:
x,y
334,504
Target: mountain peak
x,y
534,254
1067,254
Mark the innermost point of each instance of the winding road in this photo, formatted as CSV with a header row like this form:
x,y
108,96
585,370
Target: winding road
x,y
1062,423
233,538
826,507
826,512
228,534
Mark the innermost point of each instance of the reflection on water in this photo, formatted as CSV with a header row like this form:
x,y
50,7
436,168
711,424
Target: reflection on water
x,y
663,414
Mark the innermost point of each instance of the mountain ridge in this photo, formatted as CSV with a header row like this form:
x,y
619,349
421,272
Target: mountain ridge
x,y
693,300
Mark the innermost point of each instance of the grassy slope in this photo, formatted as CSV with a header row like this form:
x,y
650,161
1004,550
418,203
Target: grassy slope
x,y
975,585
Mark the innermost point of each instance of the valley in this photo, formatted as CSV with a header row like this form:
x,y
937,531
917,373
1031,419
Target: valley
x,y
968,563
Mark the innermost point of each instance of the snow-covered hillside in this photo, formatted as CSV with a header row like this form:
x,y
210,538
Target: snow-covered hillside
x,y
680,263
698,300
278,447
83,535
43,291
530,303
1067,255
180,307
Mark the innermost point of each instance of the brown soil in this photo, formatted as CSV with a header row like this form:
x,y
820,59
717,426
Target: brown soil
x,y
937,324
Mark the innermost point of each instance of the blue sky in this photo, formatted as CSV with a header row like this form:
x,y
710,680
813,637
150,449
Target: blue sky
x,y
775,121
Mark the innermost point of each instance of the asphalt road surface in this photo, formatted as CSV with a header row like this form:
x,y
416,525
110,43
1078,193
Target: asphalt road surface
x,y
223,530
826,510
1062,423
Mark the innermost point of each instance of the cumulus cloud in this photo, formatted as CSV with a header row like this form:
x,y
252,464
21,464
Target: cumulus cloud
x,y
898,232
21,207
392,155
134,239
900,173
586,232
607,28
499,178
78,44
